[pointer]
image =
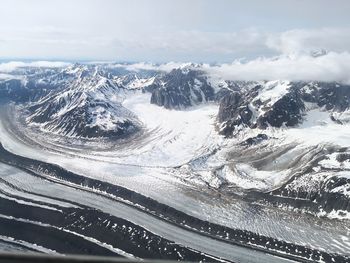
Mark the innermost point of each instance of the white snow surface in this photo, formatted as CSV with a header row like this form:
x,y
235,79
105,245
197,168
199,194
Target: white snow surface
x,y
100,95
272,91
139,83
173,147
175,137
177,140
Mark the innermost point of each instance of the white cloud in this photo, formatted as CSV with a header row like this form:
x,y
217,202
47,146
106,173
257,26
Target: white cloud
x,y
13,65
165,30
163,45
308,40
330,67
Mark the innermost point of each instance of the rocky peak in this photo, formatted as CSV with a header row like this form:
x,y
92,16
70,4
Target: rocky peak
x,y
181,88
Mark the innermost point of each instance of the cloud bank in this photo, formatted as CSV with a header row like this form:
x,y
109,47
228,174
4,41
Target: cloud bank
x,y
173,45
165,30
13,65
329,67
308,40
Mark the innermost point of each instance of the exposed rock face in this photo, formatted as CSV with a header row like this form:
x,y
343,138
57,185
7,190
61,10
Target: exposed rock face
x,y
13,89
88,118
31,84
180,89
280,103
329,192
226,87
255,140
79,100
287,110
317,176
88,107
331,96
233,112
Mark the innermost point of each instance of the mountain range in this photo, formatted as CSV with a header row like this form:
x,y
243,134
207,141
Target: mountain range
x,y
281,141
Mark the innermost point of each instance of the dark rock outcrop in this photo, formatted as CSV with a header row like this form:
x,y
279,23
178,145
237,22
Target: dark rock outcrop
x,y
286,111
332,96
91,119
246,108
180,88
234,112
84,108
255,140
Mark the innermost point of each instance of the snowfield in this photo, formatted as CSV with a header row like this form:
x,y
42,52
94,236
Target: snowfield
x,y
273,91
180,160
164,185
187,144
174,137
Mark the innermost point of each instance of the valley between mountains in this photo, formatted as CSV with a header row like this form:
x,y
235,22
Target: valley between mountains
x,y
105,159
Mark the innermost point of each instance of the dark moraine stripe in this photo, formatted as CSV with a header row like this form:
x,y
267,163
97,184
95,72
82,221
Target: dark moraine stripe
x,y
50,232
50,238
161,211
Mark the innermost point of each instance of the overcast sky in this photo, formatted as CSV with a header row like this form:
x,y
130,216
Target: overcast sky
x,y
170,30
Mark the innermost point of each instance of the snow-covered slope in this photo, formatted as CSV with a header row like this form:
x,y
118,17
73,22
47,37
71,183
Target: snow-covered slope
x,y
284,140
271,103
181,88
89,106
291,140
25,84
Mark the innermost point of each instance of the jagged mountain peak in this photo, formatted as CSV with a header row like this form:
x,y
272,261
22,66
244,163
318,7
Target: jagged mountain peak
x,y
281,103
82,114
180,89
88,106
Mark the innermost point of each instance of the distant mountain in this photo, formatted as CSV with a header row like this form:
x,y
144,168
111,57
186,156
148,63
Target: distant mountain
x,y
26,84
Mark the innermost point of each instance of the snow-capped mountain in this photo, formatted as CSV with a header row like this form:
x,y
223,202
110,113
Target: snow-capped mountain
x,y
281,103
291,141
181,88
134,81
214,149
88,106
30,83
266,126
